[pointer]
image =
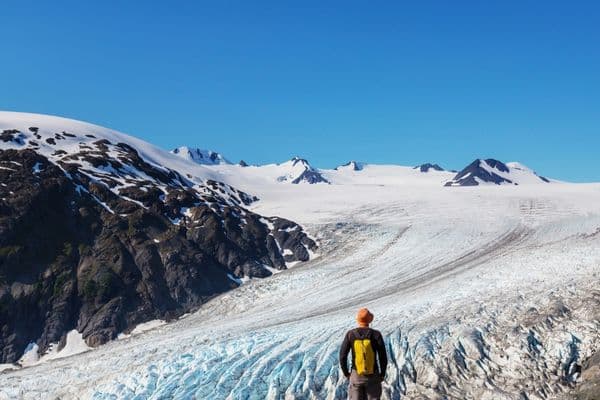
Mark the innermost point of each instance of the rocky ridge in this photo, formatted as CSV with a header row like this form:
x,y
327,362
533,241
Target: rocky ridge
x,y
98,237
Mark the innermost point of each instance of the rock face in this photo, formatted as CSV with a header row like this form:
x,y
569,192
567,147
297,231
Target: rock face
x,y
97,238
492,171
428,166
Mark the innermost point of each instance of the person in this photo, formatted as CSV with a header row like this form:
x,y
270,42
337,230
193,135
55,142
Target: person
x,y
369,359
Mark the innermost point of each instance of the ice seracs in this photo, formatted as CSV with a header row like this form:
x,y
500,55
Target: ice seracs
x,y
199,156
494,172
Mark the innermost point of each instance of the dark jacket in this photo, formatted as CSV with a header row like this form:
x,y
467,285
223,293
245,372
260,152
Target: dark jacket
x,y
376,342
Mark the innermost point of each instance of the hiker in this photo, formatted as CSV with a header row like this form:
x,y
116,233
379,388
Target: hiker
x,y
369,360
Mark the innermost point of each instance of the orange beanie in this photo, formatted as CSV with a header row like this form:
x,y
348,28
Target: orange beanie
x,y
364,317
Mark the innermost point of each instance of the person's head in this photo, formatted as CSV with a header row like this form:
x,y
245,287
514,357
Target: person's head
x,y
364,317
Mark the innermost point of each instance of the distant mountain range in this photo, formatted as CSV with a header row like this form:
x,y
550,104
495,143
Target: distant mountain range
x,y
299,170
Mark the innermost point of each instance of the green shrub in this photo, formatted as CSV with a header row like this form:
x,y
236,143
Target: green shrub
x,y
68,249
83,248
106,284
59,283
90,289
8,251
102,286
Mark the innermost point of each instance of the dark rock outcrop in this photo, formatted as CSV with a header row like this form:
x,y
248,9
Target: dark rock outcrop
x,y
467,176
428,166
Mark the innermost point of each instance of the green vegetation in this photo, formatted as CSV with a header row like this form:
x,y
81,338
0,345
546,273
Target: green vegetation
x,y
38,287
8,251
68,249
90,289
106,284
83,248
102,286
59,283
133,224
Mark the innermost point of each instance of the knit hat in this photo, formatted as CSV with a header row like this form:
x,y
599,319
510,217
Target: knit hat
x,y
364,317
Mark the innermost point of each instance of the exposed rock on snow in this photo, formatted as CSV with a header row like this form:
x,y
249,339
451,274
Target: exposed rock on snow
x,y
428,166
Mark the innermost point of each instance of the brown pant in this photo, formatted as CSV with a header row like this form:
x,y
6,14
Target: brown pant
x,y
364,387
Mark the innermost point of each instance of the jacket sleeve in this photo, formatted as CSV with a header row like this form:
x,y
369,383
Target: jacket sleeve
x,y
381,355
344,350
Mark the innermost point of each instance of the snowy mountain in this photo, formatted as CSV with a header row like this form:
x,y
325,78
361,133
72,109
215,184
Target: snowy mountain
x,y
205,157
490,171
298,170
100,231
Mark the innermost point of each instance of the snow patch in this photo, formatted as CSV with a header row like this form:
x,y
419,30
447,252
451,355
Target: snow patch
x,y
141,328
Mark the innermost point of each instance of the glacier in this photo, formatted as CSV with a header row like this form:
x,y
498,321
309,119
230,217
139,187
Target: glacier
x,y
481,293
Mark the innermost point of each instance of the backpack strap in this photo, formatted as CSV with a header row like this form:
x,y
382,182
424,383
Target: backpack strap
x,y
357,334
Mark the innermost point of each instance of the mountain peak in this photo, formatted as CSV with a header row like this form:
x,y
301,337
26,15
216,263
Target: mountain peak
x,y
492,171
298,170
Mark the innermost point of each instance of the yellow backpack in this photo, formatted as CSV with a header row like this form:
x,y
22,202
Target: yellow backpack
x,y
364,356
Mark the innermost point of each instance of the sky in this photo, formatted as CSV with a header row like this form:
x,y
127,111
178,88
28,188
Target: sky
x,y
331,81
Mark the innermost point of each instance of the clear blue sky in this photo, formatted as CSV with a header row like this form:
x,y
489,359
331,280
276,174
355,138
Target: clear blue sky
x,y
382,82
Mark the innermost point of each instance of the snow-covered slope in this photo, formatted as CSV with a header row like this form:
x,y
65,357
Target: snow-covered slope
x,y
490,171
396,175
199,156
102,154
51,141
